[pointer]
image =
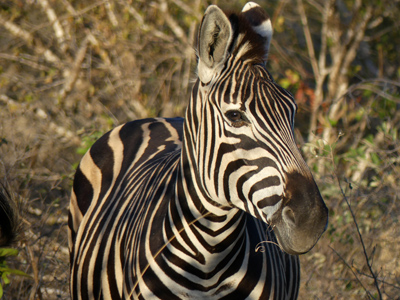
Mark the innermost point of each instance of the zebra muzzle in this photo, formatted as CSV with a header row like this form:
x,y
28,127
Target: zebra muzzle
x,y
303,217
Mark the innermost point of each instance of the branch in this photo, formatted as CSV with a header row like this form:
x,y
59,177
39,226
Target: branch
x,y
103,54
176,29
361,241
355,39
327,10
4,98
81,12
192,12
307,34
354,273
372,85
343,53
381,280
289,59
58,30
24,35
189,51
23,61
149,29
75,70
110,13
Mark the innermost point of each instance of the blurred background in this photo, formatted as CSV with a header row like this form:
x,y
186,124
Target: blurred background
x,y
72,70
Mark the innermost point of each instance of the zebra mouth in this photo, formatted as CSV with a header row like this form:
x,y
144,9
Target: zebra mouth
x,y
297,234
301,217
295,246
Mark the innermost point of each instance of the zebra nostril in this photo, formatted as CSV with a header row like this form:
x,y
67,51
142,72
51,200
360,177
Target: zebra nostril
x,y
288,216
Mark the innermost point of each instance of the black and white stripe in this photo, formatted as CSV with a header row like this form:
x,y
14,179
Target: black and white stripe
x,y
184,209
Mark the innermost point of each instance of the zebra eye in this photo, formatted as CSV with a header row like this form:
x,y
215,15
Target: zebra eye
x,y
236,117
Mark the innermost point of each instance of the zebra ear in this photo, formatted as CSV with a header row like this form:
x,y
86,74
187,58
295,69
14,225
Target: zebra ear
x,y
215,35
261,23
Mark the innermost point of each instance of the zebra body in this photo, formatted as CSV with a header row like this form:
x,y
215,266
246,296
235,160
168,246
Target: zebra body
x,y
178,209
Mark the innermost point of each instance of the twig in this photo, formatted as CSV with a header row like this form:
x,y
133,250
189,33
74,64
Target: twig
x,y
16,31
4,98
176,29
24,61
361,241
344,55
190,11
189,51
110,13
354,273
360,237
28,38
116,72
277,12
324,38
74,71
145,27
34,263
370,85
326,12
309,42
380,280
58,30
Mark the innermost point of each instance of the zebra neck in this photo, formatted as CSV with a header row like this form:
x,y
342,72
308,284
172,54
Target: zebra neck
x,y
198,226
211,230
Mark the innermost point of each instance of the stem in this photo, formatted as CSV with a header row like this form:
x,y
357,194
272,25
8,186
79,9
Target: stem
x,y
309,42
362,243
354,273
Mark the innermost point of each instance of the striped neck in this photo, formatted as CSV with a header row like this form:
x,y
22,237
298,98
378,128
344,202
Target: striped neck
x,y
210,231
197,207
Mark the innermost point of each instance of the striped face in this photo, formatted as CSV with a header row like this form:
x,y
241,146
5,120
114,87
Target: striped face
x,y
240,131
245,138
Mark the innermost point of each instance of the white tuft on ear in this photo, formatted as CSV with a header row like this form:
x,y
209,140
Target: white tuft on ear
x,y
265,29
260,22
249,5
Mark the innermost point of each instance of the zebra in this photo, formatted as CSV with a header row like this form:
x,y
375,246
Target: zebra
x,y
217,205
10,222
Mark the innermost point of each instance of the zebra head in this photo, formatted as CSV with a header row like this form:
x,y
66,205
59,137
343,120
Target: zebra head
x,y
239,129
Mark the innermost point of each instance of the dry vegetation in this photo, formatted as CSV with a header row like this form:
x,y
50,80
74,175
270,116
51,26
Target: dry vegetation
x,y
72,70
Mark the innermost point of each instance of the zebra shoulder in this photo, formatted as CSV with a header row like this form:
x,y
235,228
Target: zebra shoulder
x,y
114,153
